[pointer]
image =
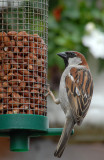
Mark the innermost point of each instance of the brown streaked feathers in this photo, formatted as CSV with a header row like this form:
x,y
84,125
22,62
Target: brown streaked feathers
x,y
79,91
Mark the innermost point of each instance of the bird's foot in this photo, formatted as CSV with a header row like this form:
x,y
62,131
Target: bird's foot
x,y
57,101
49,91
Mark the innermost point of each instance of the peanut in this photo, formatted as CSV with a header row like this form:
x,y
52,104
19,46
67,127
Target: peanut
x,y
38,62
24,100
13,103
24,65
39,111
1,107
19,44
24,107
16,96
2,54
37,38
2,95
16,88
20,35
14,64
9,90
22,112
43,103
14,82
30,37
2,35
1,75
18,59
32,105
12,43
39,79
6,41
2,89
34,99
9,112
5,84
5,60
6,107
32,56
32,45
25,50
37,86
16,50
43,90
22,85
41,52
10,54
43,80
24,72
1,45
11,34
18,76
38,45
6,99
42,42
25,42
33,50
30,80
43,73
6,67
26,93
9,76
15,111
29,112
13,70
35,92
30,67
28,60
1,84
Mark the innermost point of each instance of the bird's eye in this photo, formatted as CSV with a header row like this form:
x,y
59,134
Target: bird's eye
x,y
71,55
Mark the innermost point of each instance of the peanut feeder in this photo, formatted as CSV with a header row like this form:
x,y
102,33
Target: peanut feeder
x,y
23,71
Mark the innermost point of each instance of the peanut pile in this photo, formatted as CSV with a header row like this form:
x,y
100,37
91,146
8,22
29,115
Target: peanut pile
x,y
22,73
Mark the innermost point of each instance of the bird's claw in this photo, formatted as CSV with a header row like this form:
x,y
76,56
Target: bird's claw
x,y
49,91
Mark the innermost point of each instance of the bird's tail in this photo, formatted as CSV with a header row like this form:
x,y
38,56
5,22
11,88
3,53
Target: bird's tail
x,y
64,137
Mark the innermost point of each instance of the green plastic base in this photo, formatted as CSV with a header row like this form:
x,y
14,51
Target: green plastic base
x,y
19,127
19,141
23,121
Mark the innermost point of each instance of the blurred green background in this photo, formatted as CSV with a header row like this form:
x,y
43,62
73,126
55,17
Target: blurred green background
x,y
67,20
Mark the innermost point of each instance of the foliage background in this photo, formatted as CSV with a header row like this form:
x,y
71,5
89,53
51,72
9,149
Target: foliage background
x,y
67,20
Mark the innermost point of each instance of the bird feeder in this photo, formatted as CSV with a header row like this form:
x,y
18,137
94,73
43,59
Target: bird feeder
x,y
23,71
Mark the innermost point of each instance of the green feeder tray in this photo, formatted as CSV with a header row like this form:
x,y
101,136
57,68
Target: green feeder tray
x,y
20,127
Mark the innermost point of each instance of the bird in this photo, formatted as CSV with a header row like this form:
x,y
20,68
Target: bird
x,y
75,94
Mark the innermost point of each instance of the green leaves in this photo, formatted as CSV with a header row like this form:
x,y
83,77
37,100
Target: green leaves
x,y
67,33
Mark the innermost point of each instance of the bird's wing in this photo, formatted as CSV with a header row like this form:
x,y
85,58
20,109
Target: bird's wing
x,y
79,87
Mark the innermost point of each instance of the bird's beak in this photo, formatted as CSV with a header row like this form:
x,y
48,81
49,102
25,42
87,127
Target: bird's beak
x,y
62,55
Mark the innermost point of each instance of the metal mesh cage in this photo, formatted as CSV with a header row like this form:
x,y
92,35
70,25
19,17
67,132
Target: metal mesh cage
x,y
23,56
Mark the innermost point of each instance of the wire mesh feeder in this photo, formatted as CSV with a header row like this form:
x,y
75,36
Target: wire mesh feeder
x,y
23,71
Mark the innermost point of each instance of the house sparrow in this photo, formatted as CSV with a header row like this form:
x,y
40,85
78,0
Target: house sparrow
x,y
75,94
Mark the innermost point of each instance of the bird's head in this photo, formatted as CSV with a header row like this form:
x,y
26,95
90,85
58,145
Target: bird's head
x,y
73,58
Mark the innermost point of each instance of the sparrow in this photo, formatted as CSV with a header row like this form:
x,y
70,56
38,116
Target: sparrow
x,y
75,94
